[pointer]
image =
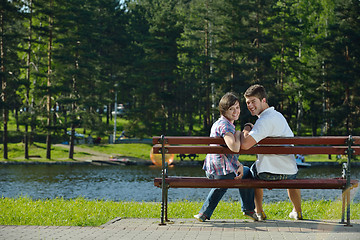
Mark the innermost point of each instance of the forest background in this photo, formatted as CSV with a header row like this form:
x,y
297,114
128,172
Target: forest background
x,y
65,63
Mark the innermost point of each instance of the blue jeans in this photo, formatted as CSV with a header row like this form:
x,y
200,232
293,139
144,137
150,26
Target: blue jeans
x,y
269,176
215,194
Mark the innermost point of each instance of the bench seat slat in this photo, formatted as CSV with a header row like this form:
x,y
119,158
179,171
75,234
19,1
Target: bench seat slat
x,y
338,150
202,182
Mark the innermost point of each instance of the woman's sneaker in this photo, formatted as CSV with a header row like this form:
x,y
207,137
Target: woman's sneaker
x,y
200,217
261,216
296,215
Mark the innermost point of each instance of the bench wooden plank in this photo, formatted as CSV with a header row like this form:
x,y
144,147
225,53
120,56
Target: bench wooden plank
x,y
182,149
190,140
202,182
325,140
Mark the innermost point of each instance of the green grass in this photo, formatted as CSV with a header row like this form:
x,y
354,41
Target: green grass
x,y
16,151
37,152
324,158
82,212
138,150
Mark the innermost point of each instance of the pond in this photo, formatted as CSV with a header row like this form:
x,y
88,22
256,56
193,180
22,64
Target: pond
x,y
134,183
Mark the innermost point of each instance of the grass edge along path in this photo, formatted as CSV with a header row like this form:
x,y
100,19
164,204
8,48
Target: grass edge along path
x,y
83,212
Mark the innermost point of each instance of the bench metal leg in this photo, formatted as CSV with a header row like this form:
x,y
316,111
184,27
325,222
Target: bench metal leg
x,y
343,207
164,186
346,191
348,178
346,204
162,222
166,204
163,201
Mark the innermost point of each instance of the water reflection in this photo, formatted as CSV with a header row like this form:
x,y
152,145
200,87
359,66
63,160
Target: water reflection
x,y
129,183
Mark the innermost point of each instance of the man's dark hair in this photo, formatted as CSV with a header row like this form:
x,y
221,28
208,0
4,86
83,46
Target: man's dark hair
x,y
256,90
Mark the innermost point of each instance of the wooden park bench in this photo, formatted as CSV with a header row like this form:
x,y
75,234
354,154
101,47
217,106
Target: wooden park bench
x,y
338,145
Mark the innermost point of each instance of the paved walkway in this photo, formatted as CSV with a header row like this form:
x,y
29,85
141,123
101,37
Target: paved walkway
x,y
149,229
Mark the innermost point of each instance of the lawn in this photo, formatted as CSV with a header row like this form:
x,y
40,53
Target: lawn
x,y
83,212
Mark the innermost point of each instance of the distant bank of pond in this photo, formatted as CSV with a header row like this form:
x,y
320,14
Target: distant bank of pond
x,y
135,183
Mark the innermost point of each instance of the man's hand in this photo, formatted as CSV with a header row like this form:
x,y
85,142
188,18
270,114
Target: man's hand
x,y
247,141
248,127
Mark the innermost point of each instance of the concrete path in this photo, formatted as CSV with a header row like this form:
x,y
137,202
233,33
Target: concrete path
x,y
150,229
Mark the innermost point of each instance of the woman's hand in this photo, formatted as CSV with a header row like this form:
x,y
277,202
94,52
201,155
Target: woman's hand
x,y
240,172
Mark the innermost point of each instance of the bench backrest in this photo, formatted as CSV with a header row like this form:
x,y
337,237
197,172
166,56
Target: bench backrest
x,y
277,145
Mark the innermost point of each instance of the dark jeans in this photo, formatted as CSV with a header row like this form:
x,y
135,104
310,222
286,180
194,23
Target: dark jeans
x,y
215,195
269,176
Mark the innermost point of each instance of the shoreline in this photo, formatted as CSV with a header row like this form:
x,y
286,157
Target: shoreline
x,y
127,161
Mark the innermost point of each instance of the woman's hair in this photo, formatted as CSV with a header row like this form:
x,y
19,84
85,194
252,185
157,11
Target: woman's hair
x,y
227,101
256,91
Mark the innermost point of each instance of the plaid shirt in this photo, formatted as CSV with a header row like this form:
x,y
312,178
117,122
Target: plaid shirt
x,y
221,164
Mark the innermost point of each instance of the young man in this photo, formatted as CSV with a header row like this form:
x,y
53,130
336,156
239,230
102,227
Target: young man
x,y
270,123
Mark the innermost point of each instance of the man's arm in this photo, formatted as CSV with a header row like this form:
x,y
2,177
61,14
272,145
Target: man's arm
x,y
247,141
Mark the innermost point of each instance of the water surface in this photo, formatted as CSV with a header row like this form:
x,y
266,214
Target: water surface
x,y
134,183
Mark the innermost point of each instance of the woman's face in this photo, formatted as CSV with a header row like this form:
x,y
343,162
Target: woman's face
x,y
233,112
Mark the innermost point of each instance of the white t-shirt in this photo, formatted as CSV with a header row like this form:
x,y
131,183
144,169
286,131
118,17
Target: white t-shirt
x,y
271,123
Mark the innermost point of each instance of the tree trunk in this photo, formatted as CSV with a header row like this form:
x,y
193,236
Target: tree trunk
x,y
17,120
48,137
257,44
206,74
347,98
3,86
28,72
73,108
72,141
300,113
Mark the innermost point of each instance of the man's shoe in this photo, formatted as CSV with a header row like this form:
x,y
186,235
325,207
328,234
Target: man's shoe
x,y
200,217
261,216
296,215
251,214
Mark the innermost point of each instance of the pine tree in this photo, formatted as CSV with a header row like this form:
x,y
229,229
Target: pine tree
x,y
343,67
157,92
10,36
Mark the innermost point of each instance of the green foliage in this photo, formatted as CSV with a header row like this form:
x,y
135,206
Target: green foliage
x,y
169,62
82,212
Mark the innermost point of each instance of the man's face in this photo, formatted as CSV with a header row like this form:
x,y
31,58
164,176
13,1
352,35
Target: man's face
x,y
255,105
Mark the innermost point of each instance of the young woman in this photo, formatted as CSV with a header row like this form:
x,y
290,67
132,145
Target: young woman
x,y
227,166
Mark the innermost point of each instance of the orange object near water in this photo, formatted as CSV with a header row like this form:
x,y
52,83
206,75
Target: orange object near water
x,y
157,158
